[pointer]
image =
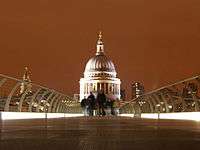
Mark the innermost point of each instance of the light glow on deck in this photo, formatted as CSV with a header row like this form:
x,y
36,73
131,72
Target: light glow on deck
x,y
34,115
177,116
28,115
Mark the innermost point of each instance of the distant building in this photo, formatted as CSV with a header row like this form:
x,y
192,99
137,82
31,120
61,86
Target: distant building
x,y
76,96
26,84
100,75
122,94
137,90
190,90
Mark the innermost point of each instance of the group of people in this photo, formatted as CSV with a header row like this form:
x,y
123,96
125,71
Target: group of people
x,y
96,106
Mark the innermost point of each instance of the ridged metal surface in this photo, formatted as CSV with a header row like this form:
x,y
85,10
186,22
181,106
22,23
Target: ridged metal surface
x,y
181,96
39,99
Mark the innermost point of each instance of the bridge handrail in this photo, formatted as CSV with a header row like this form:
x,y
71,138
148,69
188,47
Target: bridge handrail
x,y
164,87
64,100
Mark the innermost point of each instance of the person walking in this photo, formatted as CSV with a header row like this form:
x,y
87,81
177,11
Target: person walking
x,y
101,100
112,107
87,107
92,101
83,106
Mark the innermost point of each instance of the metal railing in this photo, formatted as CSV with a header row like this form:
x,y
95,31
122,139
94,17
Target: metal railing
x,y
19,96
182,96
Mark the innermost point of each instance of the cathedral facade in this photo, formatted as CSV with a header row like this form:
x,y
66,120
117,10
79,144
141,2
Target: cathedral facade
x,y
100,75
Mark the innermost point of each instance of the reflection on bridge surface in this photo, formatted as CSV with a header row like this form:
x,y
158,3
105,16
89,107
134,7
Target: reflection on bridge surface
x,y
99,133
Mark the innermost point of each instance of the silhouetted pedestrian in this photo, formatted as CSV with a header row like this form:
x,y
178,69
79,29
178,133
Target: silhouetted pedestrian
x,y
92,101
101,100
87,107
83,106
112,107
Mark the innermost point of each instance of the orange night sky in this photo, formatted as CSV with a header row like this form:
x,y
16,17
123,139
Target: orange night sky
x,y
151,41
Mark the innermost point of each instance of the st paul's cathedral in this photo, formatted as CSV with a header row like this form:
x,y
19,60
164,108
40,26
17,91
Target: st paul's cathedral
x,y
100,75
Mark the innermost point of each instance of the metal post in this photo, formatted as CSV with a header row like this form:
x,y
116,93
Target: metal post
x,y
1,125
46,121
158,110
6,107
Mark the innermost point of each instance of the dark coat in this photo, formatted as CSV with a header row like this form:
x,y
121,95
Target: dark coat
x,y
92,100
101,98
83,103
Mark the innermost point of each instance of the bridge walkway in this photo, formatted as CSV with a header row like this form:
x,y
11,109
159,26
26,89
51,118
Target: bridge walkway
x,y
99,133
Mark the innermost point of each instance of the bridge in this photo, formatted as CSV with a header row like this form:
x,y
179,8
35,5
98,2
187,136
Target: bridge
x,y
182,96
109,132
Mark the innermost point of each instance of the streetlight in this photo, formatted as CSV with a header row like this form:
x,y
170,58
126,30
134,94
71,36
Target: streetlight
x,y
158,110
170,106
46,104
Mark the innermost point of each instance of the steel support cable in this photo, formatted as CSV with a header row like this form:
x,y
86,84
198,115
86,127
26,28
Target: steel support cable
x,y
7,105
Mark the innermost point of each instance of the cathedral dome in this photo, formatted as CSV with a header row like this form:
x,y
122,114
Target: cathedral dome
x,y
100,75
100,63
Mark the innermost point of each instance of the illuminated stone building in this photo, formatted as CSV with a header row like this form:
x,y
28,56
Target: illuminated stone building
x,y
26,84
100,74
122,94
137,90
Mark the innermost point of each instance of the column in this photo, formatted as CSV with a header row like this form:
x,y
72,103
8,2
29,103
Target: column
x,y
87,87
84,88
94,86
91,87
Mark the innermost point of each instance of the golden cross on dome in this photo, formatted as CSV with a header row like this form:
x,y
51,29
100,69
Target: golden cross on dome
x,y
26,68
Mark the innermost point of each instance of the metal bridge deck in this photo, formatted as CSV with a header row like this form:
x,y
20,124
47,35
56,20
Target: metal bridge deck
x,y
99,133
